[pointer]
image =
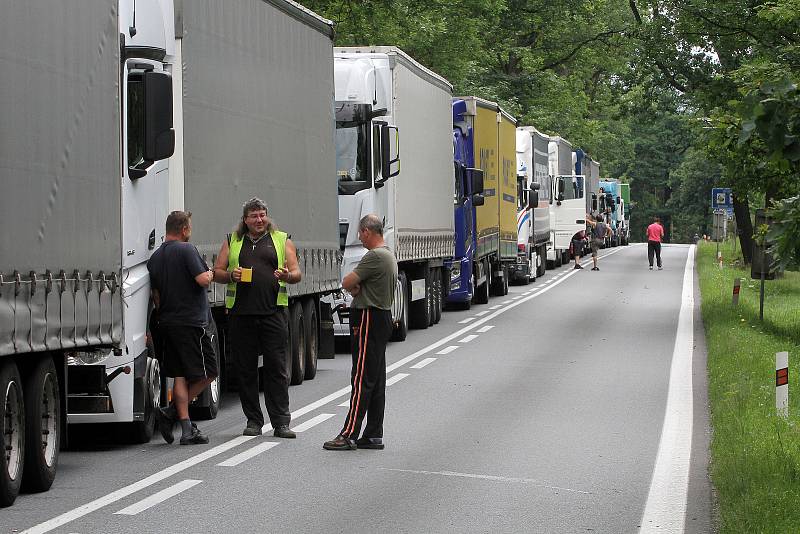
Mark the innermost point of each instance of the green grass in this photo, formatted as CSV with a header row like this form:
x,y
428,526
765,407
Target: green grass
x,y
755,454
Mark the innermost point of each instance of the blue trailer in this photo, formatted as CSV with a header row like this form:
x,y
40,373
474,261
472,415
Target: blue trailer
x,y
609,201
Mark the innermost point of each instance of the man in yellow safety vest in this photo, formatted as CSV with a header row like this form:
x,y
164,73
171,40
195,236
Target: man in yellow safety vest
x,y
256,262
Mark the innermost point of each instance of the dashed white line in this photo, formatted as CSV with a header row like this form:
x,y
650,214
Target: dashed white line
x,y
448,349
495,307
159,497
345,404
423,363
314,421
467,339
483,329
395,379
509,301
467,320
249,453
482,313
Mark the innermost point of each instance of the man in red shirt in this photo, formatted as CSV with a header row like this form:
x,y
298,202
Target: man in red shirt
x,y
655,233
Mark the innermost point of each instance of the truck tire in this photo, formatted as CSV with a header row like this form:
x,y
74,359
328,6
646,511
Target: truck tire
x,y
482,291
558,259
504,282
312,336
400,308
542,265
499,285
210,400
12,432
297,344
419,312
142,431
43,436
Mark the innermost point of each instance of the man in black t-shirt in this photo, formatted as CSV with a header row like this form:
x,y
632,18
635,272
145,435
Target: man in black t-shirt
x,y
179,278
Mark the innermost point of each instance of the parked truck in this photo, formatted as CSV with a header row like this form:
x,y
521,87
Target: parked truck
x,y
382,96
488,141
609,206
625,202
268,135
534,191
86,136
567,203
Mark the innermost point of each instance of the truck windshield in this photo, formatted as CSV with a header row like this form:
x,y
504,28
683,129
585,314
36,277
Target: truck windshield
x,y
571,187
352,149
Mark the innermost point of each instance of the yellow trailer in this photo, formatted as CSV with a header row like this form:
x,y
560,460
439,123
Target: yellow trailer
x,y
493,134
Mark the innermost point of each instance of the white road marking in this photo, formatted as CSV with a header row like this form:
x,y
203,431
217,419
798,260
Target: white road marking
x,y
493,478
467,339
159,497
249,453
448,349
467,320
509,301
395,379
483,329
345,403
496,306
423,363
482,313
517,297
665,508
121,493
314,421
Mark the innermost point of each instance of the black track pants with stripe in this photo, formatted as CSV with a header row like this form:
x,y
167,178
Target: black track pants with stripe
x,y
370,330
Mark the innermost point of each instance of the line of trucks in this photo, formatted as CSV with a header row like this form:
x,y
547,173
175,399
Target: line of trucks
x,y
116,112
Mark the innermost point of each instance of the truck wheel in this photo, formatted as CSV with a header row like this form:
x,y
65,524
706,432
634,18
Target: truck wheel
x,y
558,259
142,431
42,438
504,282
482,291
311,328
419,312
297,344
210,400
542,263
12,432
496,287
400,308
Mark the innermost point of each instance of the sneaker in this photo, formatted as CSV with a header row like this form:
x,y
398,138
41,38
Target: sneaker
x,y
660,268
370,443
196,438
252,429
578,266
282,431
651,267
165,421
340,443
595,268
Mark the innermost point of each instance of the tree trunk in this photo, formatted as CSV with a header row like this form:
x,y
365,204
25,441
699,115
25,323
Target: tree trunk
x,y
744,226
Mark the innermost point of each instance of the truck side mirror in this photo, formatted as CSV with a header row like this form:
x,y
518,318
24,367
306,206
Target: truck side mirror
x,y
476,177
477,199
159,137
390,152
533,199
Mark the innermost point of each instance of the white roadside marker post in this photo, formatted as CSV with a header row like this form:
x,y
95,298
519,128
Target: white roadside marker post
x,y
782,383
737,284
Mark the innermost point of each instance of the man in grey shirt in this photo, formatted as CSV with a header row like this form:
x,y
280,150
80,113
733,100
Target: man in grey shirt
x,y
372,284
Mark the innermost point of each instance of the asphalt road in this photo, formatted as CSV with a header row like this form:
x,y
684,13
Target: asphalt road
x,y
541,411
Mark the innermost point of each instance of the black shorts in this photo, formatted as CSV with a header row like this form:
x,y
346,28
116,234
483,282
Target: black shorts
x,y
187,351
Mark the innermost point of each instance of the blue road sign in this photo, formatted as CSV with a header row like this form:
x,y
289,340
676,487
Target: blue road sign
x,y
722,199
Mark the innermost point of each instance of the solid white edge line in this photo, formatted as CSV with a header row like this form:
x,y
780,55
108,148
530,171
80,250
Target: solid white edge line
x,y
121,493
249,453
158,497
314,421
422,363
665,508
395,379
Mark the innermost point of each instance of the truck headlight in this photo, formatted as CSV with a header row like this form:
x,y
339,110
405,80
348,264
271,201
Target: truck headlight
x,y
90,357
455,272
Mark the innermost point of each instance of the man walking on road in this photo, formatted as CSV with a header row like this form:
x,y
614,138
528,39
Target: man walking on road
x,y
256,262
600,231
372,284
179,278
655,233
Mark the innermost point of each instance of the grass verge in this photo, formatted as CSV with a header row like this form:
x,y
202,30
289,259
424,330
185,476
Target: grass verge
x,y
755,454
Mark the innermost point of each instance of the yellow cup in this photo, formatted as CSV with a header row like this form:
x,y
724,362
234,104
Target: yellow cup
x,y
247,274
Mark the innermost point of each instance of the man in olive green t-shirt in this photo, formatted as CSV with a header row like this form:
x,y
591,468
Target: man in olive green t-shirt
x,y
372,284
